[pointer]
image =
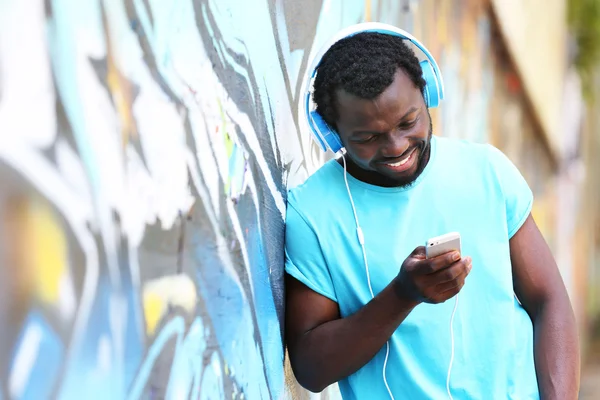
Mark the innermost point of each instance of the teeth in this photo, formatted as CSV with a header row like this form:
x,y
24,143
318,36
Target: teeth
x,y
400,163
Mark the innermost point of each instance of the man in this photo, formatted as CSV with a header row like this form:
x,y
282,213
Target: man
x,y
514,330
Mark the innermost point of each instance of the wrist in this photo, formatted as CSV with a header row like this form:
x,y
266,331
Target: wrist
x,y
403,294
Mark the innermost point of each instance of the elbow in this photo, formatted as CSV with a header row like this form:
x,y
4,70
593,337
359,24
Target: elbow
x,y
311,383
556,304
308,375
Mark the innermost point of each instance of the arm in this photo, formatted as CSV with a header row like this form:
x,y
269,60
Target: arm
x,y
540,288
325,348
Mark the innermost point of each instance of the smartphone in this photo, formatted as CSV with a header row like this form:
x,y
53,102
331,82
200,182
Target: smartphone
x,y
442,244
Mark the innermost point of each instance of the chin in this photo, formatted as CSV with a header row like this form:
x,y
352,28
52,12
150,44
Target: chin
x,y
405,178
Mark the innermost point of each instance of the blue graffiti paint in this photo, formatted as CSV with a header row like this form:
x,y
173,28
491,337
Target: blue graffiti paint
x,y
231,317
186,378
264,304
163,14
188,363
255,44
97,359
174,328
237,172
38,353
62,40
212,380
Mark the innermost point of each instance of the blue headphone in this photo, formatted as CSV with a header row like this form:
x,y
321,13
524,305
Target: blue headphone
x,y
322,133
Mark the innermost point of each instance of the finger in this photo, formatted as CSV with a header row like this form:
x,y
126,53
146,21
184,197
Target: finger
x,y
449,289
452,289
462,267
432,265
447,295
449,285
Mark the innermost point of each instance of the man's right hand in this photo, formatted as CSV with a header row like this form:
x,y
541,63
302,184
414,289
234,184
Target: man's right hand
x,y
432,280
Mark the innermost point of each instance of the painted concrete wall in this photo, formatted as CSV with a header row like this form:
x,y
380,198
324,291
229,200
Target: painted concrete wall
x,y
538,43
145,152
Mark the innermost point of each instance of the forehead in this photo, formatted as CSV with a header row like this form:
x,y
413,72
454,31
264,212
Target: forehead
x,y
394,101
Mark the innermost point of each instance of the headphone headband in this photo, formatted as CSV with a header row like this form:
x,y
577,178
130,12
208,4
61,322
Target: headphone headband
x,y
377,27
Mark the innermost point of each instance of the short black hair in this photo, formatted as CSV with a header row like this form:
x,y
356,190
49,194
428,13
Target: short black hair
x,y
364,65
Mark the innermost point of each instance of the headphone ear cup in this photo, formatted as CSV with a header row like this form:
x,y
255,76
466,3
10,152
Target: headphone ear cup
x,y
315,128
325,136
432,89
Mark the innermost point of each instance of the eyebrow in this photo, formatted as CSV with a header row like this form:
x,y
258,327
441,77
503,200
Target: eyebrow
x,y
410,111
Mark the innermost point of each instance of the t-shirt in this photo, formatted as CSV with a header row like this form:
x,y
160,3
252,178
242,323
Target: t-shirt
x,y
466,187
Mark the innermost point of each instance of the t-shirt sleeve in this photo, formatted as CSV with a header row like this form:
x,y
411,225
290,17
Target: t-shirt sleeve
x,y
303,255
518,196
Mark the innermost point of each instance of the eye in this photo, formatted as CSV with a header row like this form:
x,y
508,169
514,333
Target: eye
x,y
409,124
366,139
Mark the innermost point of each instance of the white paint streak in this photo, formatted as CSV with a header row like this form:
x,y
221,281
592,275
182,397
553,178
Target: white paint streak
x,y
243,121
163,142
25,75
25,358
220,241
67,300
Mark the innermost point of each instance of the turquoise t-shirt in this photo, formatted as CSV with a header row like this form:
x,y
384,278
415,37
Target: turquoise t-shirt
x,y
470,188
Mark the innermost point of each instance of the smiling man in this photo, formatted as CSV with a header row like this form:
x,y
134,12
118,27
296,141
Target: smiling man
x,y
366,308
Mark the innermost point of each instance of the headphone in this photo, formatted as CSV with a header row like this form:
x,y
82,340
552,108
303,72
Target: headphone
x,y
322,133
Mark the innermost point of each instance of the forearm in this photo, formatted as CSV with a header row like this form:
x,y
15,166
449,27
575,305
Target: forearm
x,y
338,348
556,350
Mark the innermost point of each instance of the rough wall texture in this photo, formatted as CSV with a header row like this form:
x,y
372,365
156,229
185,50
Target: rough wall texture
x,y
145,151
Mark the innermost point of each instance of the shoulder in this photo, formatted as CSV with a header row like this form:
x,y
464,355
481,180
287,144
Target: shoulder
x,y
452,146
477,163
314,201
478,157
320,189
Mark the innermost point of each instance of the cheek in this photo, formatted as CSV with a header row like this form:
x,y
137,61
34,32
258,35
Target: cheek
x,y
362,155
423,128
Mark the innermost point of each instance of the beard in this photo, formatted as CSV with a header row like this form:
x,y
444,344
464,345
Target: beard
x,y
384,178
424,151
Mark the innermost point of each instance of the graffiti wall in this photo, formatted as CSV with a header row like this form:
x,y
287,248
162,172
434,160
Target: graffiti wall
x,y
145,151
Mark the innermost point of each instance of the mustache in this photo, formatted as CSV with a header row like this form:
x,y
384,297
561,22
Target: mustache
x,y
420,146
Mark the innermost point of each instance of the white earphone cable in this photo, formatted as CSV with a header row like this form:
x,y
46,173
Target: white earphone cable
x,y
452,343
361,240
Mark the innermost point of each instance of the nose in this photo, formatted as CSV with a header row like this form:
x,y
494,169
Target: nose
x,y
395,145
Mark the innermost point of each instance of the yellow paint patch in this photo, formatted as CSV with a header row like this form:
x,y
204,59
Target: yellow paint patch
x,y
45,249
158,294
153,310
121,90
